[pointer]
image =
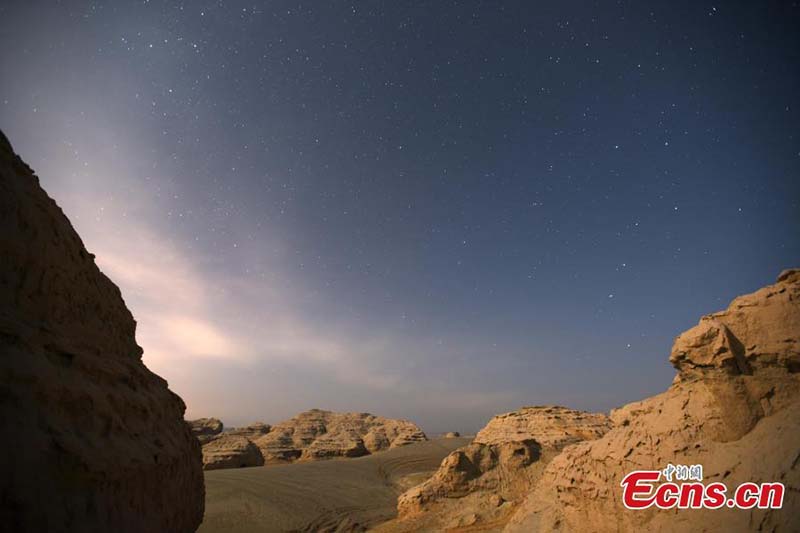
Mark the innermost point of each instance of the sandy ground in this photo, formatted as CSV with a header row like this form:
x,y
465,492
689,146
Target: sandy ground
x,y
319,496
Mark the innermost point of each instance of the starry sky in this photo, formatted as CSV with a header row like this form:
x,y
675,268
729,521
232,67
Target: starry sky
x,y
432,210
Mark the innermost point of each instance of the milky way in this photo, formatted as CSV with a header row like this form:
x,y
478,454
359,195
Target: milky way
x,y
435,210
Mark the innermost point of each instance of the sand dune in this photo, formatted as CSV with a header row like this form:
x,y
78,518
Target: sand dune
x,y
349,494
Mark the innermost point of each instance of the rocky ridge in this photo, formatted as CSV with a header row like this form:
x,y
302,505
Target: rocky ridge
x,y
94,440
552,426
252,432
734,407
311,435
318,434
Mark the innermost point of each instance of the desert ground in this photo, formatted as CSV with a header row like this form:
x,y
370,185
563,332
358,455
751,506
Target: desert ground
x,y
320,495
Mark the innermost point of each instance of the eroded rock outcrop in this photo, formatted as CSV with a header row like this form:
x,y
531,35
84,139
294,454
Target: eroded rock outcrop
x,y
252,432
230,451
233,448
482,483
205,429
552,426
318,434
734,407
94,441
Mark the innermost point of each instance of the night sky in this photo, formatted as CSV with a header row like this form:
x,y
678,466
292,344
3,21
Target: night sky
x,y
432,210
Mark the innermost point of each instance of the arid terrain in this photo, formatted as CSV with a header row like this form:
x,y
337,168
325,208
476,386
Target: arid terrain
x,y
733,407
349,494
312,435
101,444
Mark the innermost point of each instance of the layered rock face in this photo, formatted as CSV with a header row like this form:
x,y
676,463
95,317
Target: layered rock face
x,y
734,407
552,426
252,432
318,434
483,482
311,435
94,441
205,429
230,451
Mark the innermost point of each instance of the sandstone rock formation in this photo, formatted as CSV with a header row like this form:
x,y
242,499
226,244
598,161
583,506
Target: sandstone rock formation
x,y
318,434
483,482
252,432
93,440
734,407
552,426
452,435
230,451
205,428
233,448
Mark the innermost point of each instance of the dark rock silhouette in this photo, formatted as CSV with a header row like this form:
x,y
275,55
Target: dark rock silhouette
x,y
93,441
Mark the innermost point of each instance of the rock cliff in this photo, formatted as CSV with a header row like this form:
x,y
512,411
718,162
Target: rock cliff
x,y
94,441
318,434
734,407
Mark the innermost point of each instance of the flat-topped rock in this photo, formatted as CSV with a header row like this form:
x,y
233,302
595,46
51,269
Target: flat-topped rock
x,y
551,426
318,434
252,432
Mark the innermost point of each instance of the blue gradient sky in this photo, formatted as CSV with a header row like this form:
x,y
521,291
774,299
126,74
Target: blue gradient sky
x,y
437,211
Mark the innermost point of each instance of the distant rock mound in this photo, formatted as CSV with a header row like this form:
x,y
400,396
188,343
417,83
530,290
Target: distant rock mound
x,y
230,451
552,426
734,408
233,448
205,428
93,440
452,435
483,482
318,434
252,432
